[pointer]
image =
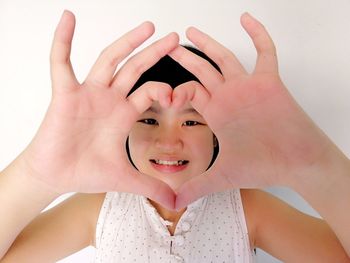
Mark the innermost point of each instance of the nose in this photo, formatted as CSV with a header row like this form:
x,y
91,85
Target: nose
x,y
169,140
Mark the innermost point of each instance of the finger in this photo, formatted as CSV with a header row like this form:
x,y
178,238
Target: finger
x,y
193,92
224,58
62,73
267,56
131,71
103,70
199,186
149,92
155,190
198,66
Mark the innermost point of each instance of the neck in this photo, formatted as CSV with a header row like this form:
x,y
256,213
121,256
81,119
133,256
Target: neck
x,y
169,215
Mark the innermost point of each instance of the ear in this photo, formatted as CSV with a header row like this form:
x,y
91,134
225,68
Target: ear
x,y
215,141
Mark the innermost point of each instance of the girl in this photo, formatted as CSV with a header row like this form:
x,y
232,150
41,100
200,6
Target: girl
x,y
80,147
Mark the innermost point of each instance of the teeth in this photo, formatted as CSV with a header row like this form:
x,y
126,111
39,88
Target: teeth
x,y
177,163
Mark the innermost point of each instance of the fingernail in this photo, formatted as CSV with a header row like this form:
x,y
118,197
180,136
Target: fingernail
x,y
246,15
65,12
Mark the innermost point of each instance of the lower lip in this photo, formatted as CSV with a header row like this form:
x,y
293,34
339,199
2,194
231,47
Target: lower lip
x,y
169,168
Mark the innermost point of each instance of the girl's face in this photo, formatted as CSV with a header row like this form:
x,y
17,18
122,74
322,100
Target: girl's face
x,y
172,145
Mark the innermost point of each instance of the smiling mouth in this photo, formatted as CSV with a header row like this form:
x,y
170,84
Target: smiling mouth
x,y
169,163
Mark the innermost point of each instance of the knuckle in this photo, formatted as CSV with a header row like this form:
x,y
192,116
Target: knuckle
x,y
136,68
107,56
225,57
104,52
159,50
131,45
199,67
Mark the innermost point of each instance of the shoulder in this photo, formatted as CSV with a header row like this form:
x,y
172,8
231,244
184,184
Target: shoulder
x,y
280,229
88,206
249,201
82,210
263,211
80,205
59,231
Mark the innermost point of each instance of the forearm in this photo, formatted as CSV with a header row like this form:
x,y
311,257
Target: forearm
x,y
21,199
326,186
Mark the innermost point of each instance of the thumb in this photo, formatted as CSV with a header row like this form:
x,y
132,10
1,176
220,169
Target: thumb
x,y
62,73
156,190
209,182
145,185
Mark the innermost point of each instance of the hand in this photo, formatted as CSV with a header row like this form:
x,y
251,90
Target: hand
x,y
265,138
80,145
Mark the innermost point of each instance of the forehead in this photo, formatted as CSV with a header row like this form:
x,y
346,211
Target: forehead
x,y
185,109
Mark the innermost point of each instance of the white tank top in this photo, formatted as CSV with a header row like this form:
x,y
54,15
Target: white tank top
x,y
212,229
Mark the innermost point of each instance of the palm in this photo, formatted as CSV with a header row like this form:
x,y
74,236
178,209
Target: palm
x,y
80,145
86,130
264,136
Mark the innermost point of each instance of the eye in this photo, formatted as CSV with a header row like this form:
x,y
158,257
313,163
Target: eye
x,y
149,121
191,123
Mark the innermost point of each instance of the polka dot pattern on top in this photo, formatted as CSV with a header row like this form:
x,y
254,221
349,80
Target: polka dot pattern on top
x,y
212,229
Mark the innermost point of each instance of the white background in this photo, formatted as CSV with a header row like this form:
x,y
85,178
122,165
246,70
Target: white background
x,y
312,38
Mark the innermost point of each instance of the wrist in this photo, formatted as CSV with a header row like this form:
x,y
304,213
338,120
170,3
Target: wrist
x,y
21,179
326,188
328,176
22,198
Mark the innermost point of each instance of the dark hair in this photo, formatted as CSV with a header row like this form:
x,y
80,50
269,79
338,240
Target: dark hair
x,y
171,72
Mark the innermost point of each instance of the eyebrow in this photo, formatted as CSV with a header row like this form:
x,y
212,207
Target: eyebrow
x,y
189,110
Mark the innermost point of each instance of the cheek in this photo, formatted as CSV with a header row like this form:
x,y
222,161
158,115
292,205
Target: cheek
x,y
202,145
139,143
